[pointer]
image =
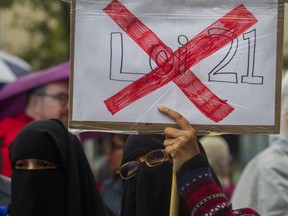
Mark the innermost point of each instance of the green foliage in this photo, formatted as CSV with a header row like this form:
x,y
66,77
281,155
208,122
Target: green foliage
x,y
49,35
285,55
6,3
285,61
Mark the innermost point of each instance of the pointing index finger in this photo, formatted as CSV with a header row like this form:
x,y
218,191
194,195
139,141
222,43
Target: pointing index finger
x,y
177,117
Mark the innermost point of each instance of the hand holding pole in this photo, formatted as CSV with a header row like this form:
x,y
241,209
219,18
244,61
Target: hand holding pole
x,y
181,144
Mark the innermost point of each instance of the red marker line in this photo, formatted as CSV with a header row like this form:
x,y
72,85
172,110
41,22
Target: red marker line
x,y
237,21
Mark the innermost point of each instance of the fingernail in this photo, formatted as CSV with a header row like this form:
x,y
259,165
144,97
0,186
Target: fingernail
x,y
160,107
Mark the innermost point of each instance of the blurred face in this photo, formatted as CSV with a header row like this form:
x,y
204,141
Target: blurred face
x,y
35,164
115,152
54,102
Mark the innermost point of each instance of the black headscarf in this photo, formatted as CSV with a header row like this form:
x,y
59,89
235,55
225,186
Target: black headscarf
x,y
148,192
69,190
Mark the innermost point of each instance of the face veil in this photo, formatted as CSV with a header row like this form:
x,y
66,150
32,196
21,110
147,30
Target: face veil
x,y
148,192
69,190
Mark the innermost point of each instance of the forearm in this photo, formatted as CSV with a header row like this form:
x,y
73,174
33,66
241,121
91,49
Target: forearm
x,y
201,193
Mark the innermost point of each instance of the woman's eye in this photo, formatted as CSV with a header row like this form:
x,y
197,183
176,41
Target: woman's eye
x,y
46,165
33,164
20,165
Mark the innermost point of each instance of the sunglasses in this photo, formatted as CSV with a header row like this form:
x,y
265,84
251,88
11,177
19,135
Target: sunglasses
x,y
152,159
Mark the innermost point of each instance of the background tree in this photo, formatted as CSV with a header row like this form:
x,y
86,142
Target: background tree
x,y
49,35
285,55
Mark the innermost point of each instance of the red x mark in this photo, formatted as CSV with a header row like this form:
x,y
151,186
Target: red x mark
x,y
201,46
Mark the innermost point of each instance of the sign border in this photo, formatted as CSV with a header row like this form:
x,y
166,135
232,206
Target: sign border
x,y
125,127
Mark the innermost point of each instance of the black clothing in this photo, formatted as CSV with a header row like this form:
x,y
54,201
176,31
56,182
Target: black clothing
x,y
69,190
148,192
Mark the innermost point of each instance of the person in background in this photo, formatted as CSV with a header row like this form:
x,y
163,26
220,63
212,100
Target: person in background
x,y
147,171
263,184
112,187
219,157
51,174
44,99
45,102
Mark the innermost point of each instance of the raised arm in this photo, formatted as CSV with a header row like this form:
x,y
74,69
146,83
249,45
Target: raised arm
x,y
194,178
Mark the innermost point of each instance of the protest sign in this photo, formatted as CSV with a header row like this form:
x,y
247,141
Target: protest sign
x,y
218,63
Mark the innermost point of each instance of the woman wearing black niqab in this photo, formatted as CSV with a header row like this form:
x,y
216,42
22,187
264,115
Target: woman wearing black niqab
x,y
148,192
67,190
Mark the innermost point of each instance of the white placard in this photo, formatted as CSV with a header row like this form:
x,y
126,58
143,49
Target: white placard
x,y
213,61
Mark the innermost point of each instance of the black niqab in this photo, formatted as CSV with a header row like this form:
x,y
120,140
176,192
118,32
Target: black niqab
x,y
148,192
69,190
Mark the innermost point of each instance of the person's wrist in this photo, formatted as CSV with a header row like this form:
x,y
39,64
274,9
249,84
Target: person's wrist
x,y
194,163
181,161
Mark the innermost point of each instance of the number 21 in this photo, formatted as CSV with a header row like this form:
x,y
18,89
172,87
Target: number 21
x,y
218,75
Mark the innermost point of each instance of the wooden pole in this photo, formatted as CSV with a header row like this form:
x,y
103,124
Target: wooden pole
x,y
174,200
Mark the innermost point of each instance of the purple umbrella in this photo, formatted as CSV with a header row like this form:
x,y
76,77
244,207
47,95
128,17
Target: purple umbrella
x,y
12,95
